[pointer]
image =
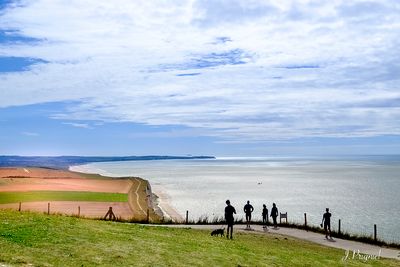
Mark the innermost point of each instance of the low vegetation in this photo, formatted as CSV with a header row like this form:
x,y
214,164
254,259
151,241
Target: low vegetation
x,y
37,239
15,197
204,220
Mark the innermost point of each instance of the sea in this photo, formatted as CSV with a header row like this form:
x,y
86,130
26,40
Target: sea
x,y
360,191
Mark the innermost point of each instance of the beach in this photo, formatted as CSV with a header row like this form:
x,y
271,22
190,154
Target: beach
x,y
360,192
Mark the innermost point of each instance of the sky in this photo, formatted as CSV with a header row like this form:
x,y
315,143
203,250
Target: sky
x,y
197,77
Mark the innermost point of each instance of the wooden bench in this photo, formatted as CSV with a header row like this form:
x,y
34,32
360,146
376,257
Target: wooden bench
x,y
282,216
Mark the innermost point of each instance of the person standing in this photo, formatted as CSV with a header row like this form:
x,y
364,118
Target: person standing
x,y
248,209
274,214
326,221
229,211
265,216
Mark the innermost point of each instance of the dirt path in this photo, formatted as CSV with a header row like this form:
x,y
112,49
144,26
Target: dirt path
x,y
137,195
134,199
312,237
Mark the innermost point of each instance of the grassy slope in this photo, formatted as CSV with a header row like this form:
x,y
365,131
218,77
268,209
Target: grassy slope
x,y
13,197
31,238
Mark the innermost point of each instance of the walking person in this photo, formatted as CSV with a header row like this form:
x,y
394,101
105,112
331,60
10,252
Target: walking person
x,y
265,216
248,209
274,214
326,221
229,211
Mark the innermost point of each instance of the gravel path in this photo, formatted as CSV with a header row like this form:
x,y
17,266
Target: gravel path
x,y
347,245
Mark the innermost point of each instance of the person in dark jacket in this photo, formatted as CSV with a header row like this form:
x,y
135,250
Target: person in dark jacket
x,y
229,211
274,214
265,216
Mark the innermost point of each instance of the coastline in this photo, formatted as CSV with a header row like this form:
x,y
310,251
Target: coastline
x,y
160,199
283,182
159,202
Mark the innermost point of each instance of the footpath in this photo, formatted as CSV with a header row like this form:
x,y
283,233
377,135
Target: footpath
x,y
347,245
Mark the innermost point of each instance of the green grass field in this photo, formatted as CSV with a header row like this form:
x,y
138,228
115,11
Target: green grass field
x,y
14,197
41,240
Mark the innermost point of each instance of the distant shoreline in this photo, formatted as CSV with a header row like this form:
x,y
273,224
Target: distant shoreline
x,y
64,162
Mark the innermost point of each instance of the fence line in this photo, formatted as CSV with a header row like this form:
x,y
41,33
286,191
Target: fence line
x,y
306,225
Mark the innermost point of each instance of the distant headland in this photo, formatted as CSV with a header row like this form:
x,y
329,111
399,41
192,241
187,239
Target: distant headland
x,y
64,162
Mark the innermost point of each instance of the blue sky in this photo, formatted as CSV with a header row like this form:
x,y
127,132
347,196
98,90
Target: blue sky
x,y
225,78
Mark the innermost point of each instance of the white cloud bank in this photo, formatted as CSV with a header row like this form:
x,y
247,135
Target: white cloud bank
x,y
240,70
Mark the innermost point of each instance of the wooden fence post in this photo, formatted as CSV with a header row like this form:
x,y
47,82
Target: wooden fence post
x,y
19,207
187,217
375,233
339,227
48,208
305,220
79,211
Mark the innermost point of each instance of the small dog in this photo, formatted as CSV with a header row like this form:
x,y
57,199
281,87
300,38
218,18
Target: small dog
x,y
218,232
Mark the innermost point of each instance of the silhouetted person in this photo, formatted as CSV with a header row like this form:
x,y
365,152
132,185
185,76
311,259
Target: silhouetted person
x,y
274,214
248,209
326,221
229,211
265,216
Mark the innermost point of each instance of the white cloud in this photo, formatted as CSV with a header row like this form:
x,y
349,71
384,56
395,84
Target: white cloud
x,y
29,134
286,69
78,125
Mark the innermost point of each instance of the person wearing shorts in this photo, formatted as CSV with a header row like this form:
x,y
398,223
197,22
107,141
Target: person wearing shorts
x,y
248,209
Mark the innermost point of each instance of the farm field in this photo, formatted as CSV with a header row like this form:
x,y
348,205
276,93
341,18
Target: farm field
x,y
69,191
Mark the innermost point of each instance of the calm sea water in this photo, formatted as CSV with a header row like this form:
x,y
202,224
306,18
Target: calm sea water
x,y
359,191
